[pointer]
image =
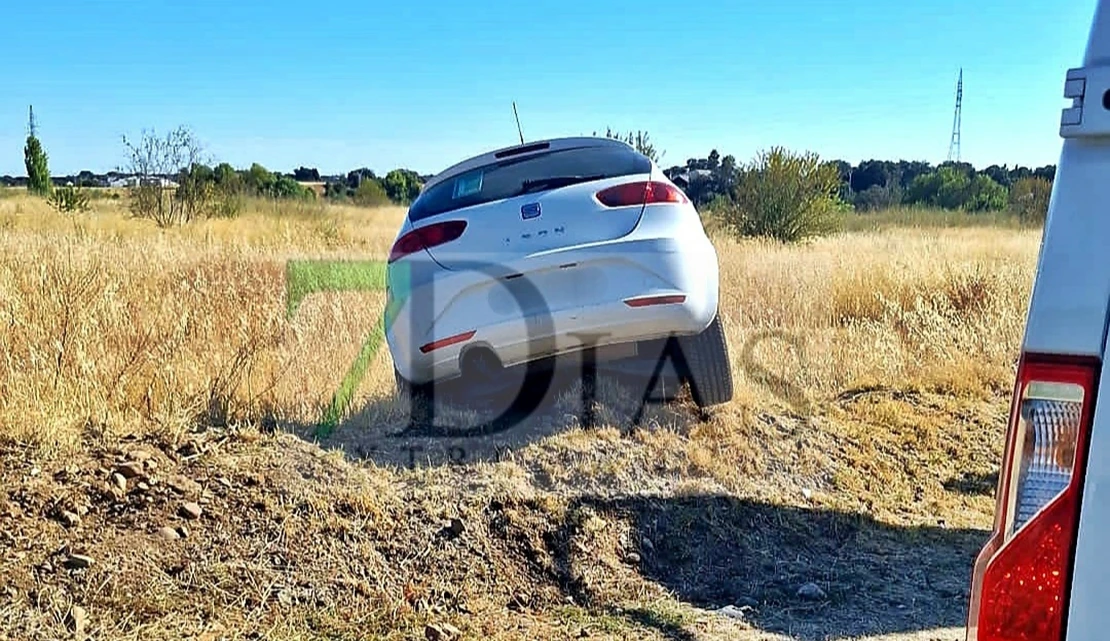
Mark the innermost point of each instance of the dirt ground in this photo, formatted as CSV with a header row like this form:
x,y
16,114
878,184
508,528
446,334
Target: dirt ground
x,y
163,476
549,529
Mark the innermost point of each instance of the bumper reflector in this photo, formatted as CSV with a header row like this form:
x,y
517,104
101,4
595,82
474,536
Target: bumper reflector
x,y
450,340
648,301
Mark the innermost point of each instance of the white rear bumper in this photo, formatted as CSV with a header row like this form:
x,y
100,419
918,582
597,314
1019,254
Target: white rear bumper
x,y
560,302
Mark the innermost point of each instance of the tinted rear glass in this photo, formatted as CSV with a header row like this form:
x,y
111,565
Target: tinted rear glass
x,y
505,178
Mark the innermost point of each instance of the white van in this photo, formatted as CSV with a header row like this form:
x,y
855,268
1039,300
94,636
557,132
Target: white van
x,y
1044,575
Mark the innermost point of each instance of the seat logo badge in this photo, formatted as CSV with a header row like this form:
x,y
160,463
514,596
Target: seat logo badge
x,y
531,210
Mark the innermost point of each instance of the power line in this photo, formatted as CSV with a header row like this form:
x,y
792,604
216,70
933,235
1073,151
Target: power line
x,y
954,145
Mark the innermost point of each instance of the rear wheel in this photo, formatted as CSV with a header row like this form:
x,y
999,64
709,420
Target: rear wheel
x,y
419,397
707,365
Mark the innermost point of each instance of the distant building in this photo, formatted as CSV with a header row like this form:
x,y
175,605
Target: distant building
x,y
686,177
135,181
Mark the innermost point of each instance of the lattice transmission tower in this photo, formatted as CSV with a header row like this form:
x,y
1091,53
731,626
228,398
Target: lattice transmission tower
x,y
954,145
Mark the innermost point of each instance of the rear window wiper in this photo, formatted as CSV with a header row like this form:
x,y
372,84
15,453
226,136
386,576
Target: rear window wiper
x,y
554,182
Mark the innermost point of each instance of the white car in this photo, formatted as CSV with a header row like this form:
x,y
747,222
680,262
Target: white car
x,y
1043,573
534,252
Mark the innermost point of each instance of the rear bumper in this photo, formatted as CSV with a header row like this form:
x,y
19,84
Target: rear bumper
x,y
551,309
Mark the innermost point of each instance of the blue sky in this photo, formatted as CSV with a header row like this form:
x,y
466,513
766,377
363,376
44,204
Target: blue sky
x,y
421,85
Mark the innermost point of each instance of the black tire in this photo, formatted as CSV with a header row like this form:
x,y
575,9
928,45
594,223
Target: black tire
x,y
708,370
420,397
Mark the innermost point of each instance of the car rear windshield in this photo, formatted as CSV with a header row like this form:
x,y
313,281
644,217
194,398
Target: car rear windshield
x,y
512,177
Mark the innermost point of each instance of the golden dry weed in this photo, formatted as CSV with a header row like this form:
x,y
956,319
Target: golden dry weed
x,y
872,373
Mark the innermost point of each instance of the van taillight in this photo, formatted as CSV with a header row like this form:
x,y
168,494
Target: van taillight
x,y
1021,577
641,193
427,237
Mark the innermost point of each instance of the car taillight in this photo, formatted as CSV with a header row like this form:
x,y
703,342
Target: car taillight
x,y
427,237
641,193
1021,577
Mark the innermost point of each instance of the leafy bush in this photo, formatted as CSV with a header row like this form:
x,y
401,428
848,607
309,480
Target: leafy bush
x,y
717,213
195,190
402,186
151,158
258,179
226,201
337,191
370,193
878,197
1029,199
69,199
284,186
952,187
985,195
229,192
785,196
640,140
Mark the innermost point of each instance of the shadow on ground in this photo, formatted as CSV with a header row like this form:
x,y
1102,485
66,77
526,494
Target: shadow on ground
x,y
709,551
713,551
981,483
393,431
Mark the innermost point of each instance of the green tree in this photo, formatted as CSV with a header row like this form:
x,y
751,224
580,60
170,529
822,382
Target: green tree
x,y
370,193
402,186
955,187
225,175
877,197
229,192
785,196
638,140
34,157
306,174
985,194
259,179
153,160
337,191
1029,199
284,186
196,187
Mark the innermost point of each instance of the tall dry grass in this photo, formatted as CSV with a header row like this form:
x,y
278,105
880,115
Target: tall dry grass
x,y
108,324
941,308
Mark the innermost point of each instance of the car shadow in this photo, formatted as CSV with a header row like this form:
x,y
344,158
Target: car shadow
x,y
713,551
804,572
973,483
862,577
394,430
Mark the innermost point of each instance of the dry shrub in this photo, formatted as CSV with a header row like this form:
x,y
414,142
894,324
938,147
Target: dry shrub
x,y
886,307
107,321
106,326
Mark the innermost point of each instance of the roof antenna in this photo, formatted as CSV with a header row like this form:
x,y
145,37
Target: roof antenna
x,y
518,129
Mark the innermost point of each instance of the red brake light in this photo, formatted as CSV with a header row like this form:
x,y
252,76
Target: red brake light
x,y
427,237
641,193
1021,578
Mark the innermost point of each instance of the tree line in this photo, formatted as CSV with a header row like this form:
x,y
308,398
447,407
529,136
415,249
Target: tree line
x,y
170,180
881,184
871,185
777,193
788,195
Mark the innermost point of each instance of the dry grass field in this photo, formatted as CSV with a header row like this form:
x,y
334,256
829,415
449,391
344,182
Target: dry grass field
x,y
146,369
